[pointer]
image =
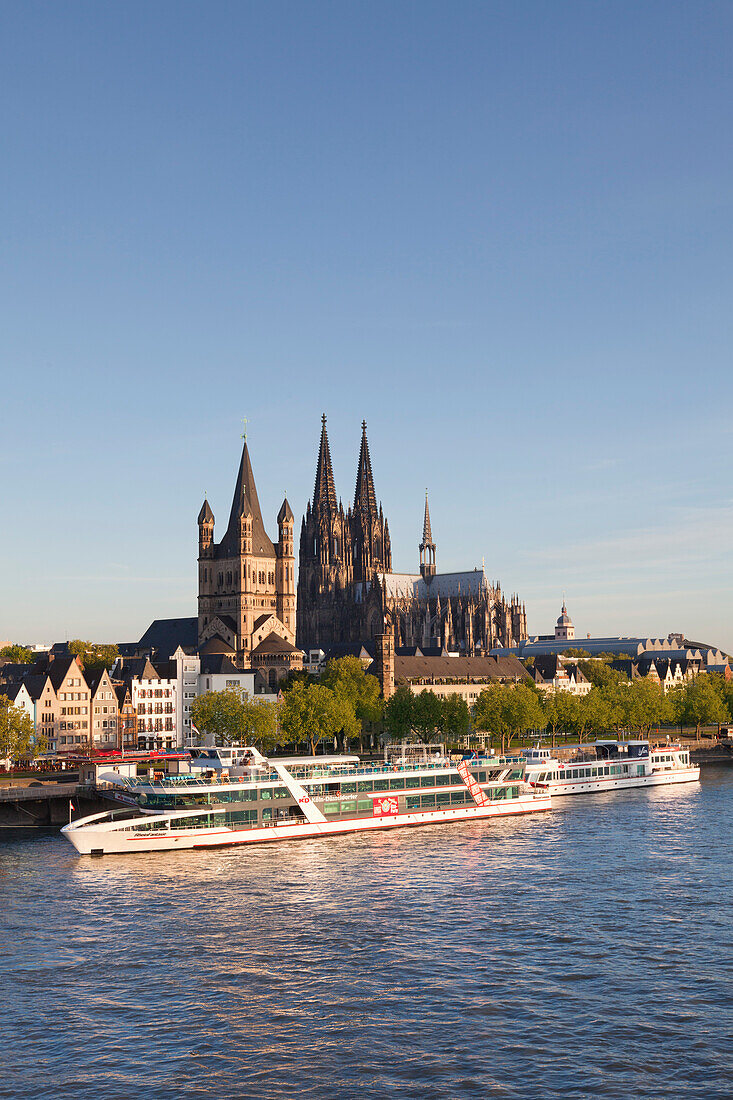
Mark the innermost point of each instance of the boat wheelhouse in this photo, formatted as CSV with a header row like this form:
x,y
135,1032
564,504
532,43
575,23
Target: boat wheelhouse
x,y
610,765
282,799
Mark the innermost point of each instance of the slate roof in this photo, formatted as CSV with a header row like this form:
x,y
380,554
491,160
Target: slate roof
x,y
215,645
285,513
459,669
245,502
472,582
59,670
12,673
219,664
205,515
137,668
36,683
166,635
350,649
273,643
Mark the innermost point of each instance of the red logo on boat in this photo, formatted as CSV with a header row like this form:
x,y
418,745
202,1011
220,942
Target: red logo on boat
x,y
385,807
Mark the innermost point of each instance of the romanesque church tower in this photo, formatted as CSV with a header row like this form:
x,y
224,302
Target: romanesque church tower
x,y
246,583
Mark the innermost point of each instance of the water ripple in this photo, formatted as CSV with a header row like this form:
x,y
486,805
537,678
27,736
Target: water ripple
x,y
589,953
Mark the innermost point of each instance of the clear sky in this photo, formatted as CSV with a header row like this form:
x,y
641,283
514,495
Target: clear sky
x,y
500,232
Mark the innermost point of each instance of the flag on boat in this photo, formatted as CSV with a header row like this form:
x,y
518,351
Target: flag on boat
x,y
71,805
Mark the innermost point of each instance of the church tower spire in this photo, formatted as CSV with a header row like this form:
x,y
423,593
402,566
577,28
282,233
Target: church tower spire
x,y
427,546
365,499
370,536
324,492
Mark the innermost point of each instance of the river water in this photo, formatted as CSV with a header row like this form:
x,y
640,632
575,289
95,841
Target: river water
x,y
585,952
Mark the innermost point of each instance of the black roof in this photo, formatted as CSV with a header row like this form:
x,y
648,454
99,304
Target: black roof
x,y
166,635
219,664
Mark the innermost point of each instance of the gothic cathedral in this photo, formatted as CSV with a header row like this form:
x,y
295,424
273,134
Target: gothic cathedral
x,y
347,590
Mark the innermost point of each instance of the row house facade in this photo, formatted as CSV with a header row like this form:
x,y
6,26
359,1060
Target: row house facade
x,y
154,699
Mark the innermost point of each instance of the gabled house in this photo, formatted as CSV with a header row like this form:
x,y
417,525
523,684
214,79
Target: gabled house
x,y
103,710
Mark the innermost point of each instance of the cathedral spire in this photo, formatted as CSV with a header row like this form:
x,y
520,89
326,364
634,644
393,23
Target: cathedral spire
x,y
427,546
427,534
324,492
365,499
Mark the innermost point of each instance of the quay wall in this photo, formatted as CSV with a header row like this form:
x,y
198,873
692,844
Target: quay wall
x,y
47,805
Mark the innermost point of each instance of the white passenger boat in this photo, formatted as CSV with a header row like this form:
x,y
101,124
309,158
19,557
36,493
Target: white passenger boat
x,y
282,799
610,766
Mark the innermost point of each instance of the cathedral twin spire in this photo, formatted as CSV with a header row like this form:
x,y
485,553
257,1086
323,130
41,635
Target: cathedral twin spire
x,y
324,492
365,499
359,537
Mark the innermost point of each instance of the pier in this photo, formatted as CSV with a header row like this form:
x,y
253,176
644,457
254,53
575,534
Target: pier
x,y
40,805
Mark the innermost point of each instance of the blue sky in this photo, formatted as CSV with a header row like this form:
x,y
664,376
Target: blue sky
x,y
499,232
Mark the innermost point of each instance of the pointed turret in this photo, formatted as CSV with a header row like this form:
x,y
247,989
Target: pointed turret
x,y
286,513
206,529
205,515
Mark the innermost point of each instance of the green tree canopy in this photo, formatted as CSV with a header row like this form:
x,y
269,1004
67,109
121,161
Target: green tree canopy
x,y
18,654
427,716
346,678
398,713
507,710
600,673
456,717
93,656
17,736
701,703
311,713
229,717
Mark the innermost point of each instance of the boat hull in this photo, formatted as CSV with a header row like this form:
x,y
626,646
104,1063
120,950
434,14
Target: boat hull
x,y
100,839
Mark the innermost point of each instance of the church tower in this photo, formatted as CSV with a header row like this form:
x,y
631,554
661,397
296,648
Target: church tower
x,y
325,548
427,547
371,547
244,580
285,570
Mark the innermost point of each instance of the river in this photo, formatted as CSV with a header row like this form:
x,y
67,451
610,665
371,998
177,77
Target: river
x,y
587,952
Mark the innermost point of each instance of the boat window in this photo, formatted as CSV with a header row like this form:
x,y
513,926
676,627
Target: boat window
x,y
427,781
282,792
498,793
364,804
331,807
348,807
458,798
412,781
481,777
397,784
516,774
366,785
266,793
267,815
427,802
348,788
443,798
381,785
413,802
